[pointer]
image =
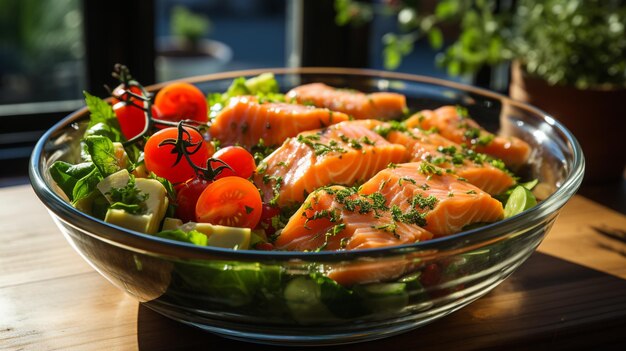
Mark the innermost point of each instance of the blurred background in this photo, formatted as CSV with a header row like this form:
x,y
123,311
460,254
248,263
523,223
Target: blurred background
x,y
549,53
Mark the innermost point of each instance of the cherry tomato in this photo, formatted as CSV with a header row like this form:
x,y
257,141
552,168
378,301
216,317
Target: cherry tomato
x,y
161,159
265,222
131,118
230,201
177,101
120,91
187,195
239,159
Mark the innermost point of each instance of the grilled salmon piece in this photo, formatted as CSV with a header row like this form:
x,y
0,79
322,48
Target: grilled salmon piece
x,y
246,121
488,174
454,123
379,105
343,154
338,218
445,203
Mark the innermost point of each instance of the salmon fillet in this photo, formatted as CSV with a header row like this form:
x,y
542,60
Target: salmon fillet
x,y
446,203
480,170
373,271
454,123
338,218
379,105
246,121
340,154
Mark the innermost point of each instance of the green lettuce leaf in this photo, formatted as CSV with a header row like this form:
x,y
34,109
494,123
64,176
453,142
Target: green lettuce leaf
x,y
264,87
67,175
86,185
100,112
102,153
193,236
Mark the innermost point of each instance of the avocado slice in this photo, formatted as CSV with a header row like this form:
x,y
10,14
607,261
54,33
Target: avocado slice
x,y
217,235
156,203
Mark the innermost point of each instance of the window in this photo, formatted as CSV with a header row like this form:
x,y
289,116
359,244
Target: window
x,y
42,72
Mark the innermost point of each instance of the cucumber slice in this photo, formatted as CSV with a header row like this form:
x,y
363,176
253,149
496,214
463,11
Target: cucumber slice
x,y
520,200
530,185
383,297
304,299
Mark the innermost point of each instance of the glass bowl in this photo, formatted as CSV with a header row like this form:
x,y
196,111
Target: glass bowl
x,y
286,297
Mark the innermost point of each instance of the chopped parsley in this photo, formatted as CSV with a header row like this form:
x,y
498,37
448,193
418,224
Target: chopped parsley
x,y
278,182
423,202
384,129
429,169
128,198
313,141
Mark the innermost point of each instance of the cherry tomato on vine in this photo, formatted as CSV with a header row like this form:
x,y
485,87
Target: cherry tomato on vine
x,y
161,158
178,101
120,91
187,195
239,159
230,201
132,119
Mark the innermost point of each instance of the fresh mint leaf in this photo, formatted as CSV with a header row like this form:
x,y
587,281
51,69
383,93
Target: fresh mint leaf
x,y
102,153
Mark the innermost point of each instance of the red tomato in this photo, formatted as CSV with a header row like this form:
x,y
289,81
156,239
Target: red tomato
x,y
120,91
161,160
187,196
265,222
230,201
178,101
240,160
132,119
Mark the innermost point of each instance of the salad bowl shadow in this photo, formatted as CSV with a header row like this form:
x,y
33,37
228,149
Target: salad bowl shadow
x,y
279,297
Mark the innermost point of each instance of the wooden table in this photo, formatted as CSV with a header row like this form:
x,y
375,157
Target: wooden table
x,y
570,294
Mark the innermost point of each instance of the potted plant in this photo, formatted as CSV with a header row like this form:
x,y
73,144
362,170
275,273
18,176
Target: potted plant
x,y
187,52
569,59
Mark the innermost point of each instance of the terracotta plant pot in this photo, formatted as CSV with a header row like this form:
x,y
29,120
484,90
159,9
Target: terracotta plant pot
x,y
596,117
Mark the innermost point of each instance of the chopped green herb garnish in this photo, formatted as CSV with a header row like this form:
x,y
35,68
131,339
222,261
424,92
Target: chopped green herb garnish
x,y
423,202
430,169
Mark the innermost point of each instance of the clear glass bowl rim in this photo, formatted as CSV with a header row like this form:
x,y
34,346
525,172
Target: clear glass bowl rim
x,y
145,243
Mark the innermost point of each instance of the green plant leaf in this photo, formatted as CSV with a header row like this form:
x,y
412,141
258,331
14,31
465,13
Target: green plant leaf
x,y
435,38
447,9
